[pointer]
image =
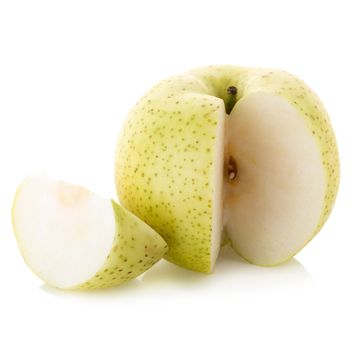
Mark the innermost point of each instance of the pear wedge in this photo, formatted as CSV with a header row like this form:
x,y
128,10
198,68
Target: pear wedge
x,y
74,239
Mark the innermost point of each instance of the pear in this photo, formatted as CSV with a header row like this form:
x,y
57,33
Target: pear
x,y
245,151
74,239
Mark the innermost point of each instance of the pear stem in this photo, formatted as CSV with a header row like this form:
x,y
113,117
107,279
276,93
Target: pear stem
x,y
231,98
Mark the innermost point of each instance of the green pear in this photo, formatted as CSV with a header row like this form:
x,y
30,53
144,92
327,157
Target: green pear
x,y
249,152
74,239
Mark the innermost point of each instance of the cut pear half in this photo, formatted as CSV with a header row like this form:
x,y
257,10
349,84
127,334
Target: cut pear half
x,y
246,151
74,239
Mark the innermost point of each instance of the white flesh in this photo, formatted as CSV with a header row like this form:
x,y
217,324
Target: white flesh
x,y
65,232
274,204
218,188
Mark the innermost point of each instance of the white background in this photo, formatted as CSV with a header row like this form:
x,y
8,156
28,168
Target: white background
x,y
69,73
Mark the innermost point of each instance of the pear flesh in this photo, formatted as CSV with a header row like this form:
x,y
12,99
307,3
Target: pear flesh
x,y
273,204
222,149
74,239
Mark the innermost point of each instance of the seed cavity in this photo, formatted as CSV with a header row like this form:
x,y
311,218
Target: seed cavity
x,y
231,169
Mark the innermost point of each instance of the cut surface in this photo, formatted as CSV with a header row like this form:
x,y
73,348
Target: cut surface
x,y
217,218
274,201
65,233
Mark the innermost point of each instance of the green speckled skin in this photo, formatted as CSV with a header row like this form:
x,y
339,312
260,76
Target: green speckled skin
x,y
165,164
136,248
164,170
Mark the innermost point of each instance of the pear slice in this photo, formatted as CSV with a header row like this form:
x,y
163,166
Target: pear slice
x,y
74,239
245,151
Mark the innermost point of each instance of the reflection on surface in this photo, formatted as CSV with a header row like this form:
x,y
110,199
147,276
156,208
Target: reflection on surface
x,y
289,274
128,289
231,270
232,275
